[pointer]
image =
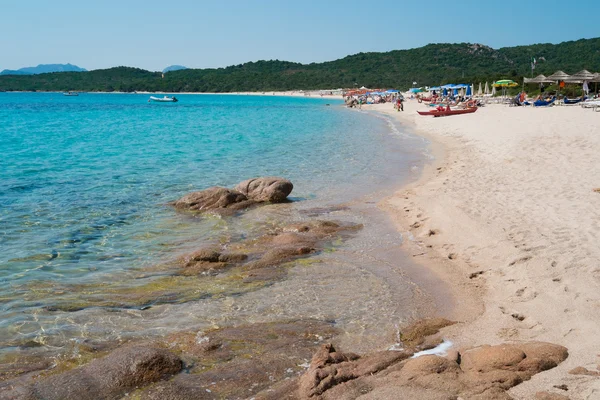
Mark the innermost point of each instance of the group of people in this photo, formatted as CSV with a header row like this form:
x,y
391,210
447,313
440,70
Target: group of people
x,y
454,100
357,100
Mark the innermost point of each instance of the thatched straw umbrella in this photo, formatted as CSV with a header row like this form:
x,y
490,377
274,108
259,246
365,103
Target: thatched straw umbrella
x,y
584,76
559,76
540,79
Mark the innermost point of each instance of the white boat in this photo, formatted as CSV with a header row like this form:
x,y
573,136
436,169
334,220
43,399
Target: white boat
x,y
70,94
165,99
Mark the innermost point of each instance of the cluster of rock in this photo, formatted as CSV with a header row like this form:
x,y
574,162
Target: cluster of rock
x,y
485,372
260,257
263,361
110,377
243,195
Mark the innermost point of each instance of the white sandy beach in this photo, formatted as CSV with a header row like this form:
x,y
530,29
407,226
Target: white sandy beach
x,y
511,200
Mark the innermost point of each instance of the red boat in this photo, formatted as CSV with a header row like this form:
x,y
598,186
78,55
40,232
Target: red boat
x,y
446,111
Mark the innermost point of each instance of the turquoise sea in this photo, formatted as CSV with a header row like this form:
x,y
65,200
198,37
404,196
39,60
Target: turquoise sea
x,y
85,183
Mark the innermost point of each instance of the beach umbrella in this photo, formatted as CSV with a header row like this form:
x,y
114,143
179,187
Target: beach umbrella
x,y
445,92
505,83
391,91
583,75
487,89
479,92
559,76
538,79
493,90
469,91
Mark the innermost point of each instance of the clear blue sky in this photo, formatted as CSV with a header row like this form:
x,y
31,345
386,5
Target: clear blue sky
x,y
200,33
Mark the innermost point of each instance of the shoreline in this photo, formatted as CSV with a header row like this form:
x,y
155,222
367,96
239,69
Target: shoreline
x,y
456,244
386,297
495,199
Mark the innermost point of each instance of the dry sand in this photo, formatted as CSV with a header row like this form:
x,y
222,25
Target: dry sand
x,y
508,215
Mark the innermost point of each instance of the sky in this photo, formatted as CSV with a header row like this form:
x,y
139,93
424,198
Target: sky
x,y
152,34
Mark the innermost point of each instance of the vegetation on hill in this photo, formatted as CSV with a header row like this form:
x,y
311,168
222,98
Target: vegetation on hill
x,y
433,64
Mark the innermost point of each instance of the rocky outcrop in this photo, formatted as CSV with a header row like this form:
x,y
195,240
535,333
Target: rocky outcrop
x,y
329,368
260,257
245,194
237,362
265,361
105,378
213,198
272,189
485,372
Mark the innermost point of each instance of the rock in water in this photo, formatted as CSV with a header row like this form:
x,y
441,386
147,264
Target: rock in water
x,y
110,377
270,188
211,199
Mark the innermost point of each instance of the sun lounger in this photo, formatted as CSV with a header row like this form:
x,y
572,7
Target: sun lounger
x,y
544,103
590,104
568,101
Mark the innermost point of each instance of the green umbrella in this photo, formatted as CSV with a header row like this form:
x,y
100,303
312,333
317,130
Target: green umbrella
x,y
505,83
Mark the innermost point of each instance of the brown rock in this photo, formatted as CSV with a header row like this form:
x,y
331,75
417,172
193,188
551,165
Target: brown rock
x,y
278,256
273,189
497,378
546,351
427,365
485,373
324,373
201,267
415,334
213,198
106,378
487,358
379,361
550,396
233,257
206,255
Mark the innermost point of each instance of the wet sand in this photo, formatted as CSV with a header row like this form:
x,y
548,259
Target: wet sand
x,y
509,216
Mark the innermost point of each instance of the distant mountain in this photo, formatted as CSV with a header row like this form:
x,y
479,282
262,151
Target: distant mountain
x,y
43,69
174,68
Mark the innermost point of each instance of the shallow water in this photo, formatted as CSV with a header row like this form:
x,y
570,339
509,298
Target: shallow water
x,y
84,224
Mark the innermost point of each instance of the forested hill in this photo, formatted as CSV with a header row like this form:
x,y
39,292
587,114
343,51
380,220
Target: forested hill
x,y
429,65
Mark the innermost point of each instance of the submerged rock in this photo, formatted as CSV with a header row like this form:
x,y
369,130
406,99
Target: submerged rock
x,y
106,378
237,362
273,189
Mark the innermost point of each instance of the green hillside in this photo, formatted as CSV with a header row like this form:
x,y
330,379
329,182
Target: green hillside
x,y
433,64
